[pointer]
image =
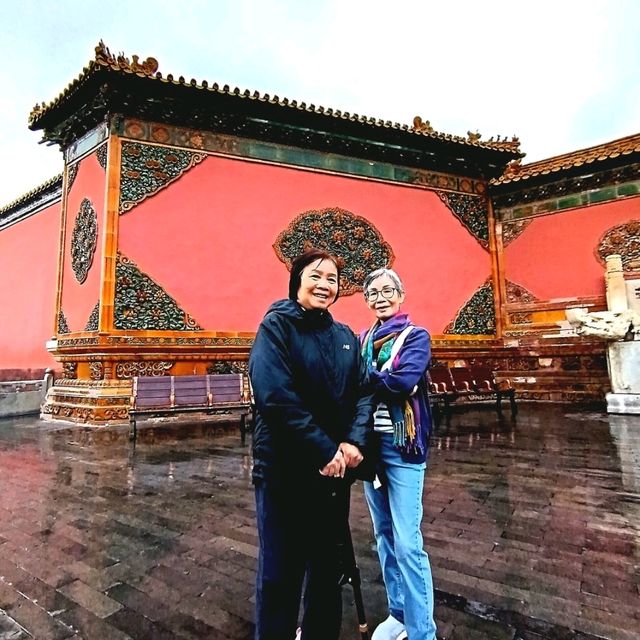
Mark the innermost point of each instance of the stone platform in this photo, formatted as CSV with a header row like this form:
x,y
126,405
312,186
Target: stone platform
x,y
533,529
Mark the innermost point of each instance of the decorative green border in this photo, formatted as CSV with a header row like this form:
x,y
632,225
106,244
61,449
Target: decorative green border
x,y
572,201
281,154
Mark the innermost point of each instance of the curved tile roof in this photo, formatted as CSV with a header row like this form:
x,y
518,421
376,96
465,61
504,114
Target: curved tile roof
x,y
25,198
515,172
45,194
106,61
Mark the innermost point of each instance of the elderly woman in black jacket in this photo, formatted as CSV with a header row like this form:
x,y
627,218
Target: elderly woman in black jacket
x,y
313,418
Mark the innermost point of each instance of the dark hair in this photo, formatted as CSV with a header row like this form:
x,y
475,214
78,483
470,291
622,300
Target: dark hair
x,y
300,262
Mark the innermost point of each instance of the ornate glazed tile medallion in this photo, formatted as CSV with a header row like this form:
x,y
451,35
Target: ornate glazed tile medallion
x,y
83,240
146,169
342,233
623,239
141,303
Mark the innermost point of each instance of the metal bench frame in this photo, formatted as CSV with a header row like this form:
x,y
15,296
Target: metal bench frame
x,y
447,384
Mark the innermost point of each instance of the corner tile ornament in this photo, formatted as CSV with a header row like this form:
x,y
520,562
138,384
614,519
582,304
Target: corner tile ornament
x,y
477,316
127,370
471,211
146,169
72,172
342,233
624,240
512,230
94,316
142,304
101,154
517,294
63,325
83,240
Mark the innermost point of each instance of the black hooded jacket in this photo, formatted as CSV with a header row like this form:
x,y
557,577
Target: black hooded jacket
x,y
311,393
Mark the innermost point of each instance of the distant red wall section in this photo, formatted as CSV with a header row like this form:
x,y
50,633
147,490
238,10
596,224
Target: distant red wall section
x,y
207,240
555,257
78,300
28,264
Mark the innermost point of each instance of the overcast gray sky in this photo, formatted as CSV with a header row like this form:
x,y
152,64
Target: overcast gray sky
x,y
560,74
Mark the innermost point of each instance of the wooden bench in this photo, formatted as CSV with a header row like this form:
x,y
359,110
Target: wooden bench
x,y
447,384
155,396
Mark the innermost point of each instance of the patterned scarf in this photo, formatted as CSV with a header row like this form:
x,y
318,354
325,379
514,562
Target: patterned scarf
x,y
376,350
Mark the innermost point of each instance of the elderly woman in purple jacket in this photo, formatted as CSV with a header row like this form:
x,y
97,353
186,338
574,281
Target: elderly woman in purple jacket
x,y
398,354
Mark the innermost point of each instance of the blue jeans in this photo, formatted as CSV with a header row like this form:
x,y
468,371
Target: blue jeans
x,y
396,511
300,528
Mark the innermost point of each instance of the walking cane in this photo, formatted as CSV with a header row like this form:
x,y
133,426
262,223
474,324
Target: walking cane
x,y
351,575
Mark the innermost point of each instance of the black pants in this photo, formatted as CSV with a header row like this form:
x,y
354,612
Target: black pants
x,y
300,530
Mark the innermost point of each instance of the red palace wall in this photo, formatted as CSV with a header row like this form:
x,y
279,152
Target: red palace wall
x,y
207,240
28,264
78,300
555,256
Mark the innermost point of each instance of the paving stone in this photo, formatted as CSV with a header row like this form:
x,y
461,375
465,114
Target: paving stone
x,y
532,528
94,601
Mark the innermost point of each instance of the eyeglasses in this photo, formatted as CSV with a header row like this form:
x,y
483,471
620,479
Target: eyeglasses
x,y
372,294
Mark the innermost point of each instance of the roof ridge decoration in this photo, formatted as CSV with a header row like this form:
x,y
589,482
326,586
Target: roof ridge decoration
x,y
104,60
104,57
503,144
516,171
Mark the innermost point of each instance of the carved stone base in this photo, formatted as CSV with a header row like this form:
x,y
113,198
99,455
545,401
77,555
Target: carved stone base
x,y
100,403
623,403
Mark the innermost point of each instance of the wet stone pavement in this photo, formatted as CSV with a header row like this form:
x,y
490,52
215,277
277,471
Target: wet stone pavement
x,y
533,530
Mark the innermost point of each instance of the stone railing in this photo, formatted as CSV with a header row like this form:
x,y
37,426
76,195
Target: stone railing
x,y
23,397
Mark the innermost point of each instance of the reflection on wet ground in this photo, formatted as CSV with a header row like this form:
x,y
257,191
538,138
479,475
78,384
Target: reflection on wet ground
x,y
533,530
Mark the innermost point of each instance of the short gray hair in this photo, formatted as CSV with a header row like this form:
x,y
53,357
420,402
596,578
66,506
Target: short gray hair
x,y
395,278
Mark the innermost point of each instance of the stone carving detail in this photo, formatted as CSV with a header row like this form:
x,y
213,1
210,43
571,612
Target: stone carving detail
x,y
347,236
72,172
84,240
477,316
146,169
70,370
129,369
512,230
92,322
229,366
96,370
604,324
78,342
624,240
140,303
101,154
63,326
472,213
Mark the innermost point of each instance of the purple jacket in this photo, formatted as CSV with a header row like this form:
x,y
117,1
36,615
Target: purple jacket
x,y
395,385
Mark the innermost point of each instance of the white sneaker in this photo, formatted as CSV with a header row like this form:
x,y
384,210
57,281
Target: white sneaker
x,y
390,629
